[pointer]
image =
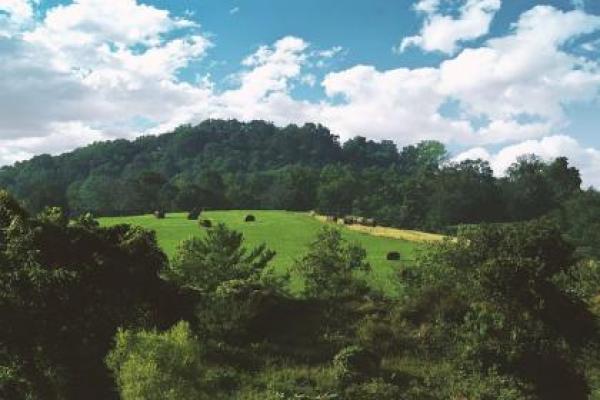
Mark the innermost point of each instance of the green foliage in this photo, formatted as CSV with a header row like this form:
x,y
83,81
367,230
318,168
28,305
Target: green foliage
x,y
329,267
497,305
64,290
150,365
203,264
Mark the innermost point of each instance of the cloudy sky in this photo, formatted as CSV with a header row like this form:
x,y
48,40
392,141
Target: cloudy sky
x,y
492,79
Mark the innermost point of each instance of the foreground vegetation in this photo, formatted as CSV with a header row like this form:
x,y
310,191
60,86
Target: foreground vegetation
x,y
286,233
505,311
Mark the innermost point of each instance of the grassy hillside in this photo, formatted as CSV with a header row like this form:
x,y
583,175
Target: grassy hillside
x,y
288,233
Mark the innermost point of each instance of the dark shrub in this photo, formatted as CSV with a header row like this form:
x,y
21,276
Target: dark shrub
x,y
205,223
393,256
194,214
349,220
160,214
250,218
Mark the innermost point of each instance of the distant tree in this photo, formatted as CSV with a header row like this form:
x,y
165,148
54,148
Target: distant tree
x,y
527,191
580,219
337,190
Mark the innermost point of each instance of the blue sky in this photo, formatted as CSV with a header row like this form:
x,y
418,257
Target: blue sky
x,y
490,78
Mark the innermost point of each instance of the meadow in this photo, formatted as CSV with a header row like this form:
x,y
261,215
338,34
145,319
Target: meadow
x,y
287,233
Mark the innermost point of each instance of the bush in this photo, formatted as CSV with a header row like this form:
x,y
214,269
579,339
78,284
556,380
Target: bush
x,y
160,214
205,223
194,214
393,256
250,218
152,365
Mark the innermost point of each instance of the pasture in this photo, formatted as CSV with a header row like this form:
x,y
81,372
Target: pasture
x,y
287,233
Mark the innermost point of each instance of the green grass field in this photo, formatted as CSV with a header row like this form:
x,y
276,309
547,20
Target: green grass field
x,y
287,233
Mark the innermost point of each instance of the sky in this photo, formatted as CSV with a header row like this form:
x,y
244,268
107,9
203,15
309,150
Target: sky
x,y
491,79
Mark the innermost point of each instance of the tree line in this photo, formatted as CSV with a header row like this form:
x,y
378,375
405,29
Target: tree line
x,y
229,164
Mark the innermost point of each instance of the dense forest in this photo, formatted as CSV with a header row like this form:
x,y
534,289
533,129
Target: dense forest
x,y
508,308
228,164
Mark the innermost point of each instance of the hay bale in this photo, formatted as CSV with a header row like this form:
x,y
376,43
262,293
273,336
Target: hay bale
x,y
370,222
250,218
360,220
205,223
194,214
312,213
160,214
393,256
340,222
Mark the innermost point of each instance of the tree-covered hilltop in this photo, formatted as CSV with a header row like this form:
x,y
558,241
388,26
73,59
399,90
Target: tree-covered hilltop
x,y
256,165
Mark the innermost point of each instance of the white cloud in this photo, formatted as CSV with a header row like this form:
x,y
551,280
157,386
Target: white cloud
x,y
234,10
60,138
585,158
526,72
81,75
444,32
82,65
14,14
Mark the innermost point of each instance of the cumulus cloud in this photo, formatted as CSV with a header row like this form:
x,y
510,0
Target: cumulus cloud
x,y
81,65
91,76
443,32
14,15
528,71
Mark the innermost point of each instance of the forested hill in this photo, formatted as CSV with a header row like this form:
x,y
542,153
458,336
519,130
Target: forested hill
x,y
230,164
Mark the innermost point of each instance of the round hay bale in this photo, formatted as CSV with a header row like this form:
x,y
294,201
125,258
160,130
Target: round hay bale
x,y
205,223
160,214
393,256
360,220
194,214
312,213
250,218
340,222
370,222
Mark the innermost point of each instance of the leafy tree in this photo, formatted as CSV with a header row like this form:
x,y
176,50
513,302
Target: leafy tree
x,y
527,190
228,281
492,298
329,268
202,264
337,191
